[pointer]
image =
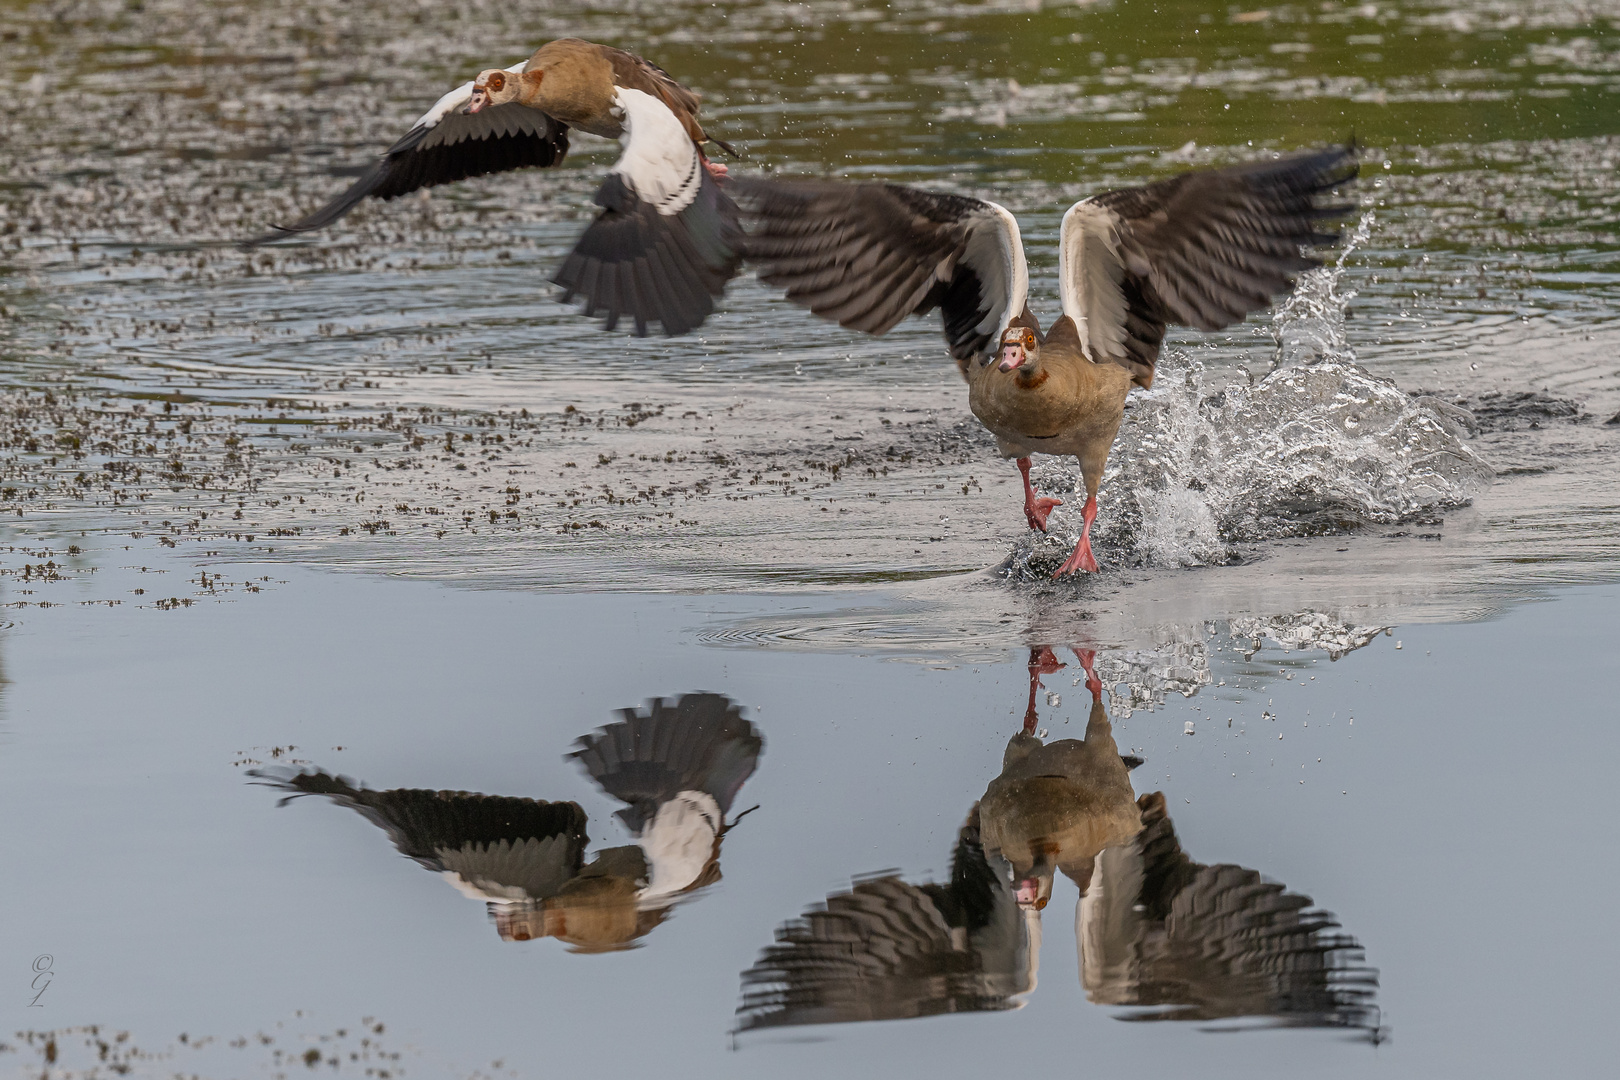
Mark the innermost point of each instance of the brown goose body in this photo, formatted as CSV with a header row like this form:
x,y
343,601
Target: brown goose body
x,y
1060,404
577,82
1056,805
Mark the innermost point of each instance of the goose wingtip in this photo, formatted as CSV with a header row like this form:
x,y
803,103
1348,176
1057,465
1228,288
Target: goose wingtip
x,y
277,232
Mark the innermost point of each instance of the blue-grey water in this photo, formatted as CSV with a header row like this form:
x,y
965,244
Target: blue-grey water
x,y
1459,828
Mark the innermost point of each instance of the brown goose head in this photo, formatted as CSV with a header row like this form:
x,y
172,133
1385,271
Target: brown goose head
x,y
1033,887
494,87
1020,348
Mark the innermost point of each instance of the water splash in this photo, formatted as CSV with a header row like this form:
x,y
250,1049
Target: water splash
x,y
1319,445
1303,631
1141,679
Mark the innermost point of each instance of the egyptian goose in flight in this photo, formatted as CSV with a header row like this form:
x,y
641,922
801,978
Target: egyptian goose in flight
x,y
666,241
678,765
1201,249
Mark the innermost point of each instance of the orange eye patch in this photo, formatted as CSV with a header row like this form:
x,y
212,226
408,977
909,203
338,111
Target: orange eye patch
x,y
497,82
1019,336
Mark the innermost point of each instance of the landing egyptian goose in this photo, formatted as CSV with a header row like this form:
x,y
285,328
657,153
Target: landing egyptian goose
x,y
1201,249
666,241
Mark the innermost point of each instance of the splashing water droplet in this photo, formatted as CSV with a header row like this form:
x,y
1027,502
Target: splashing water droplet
x,y
1319,445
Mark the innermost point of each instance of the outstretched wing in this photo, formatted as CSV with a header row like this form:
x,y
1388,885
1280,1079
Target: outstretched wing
x,y
444,146
499,846
667,239
867,255
1202,249
878,952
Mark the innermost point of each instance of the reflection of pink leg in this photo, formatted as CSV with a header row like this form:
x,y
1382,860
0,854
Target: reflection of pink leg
x,y
1082,559
1042,661
1088,660
1036,508
715,168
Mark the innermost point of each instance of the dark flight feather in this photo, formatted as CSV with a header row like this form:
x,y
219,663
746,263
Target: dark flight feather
x,y
460,146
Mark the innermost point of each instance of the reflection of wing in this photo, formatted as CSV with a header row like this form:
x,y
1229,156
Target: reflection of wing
x,y
698,743
1211,942
680,843
889,950
497,848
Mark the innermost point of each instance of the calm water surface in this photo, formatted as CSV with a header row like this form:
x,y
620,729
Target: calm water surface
x,y
373,515
1440,792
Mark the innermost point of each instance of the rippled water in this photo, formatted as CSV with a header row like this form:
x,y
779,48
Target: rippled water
x,y
772,510
1485,271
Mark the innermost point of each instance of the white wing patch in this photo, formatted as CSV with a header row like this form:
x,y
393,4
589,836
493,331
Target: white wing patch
x,y
679,841
1108,926
1091,272
995,252
660,161
455,100
1032,924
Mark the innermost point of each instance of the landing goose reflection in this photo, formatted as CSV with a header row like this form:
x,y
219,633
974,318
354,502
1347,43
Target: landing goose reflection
x,y
1157,933
677,765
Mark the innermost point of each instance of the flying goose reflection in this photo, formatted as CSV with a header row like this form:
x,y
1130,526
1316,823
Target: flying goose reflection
x,y
1157,932
677,765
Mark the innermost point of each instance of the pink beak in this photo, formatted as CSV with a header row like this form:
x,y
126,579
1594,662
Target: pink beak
x,y
1028,892
480,98
1011,357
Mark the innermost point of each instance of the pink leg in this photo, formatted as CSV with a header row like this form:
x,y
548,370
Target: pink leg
x,y
1042,661
1082,559
715,168
1088,660
1036,507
